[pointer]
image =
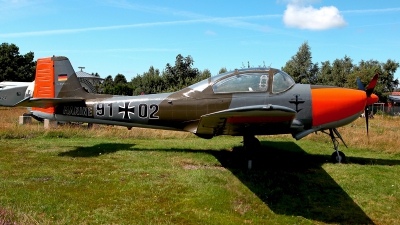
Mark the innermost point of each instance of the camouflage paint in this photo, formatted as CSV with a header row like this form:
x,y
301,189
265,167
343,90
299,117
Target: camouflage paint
x,y
298,109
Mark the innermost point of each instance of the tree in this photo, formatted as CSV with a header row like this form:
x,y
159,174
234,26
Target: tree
x,y
120,79
118,86
387,77
222,70
324,75
107,85
171,79
16,67
181,74
301,68
109,80
203,75
149,82
365,70
122,89
341,68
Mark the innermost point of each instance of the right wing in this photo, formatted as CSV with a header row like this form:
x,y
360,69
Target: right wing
x,y
259,119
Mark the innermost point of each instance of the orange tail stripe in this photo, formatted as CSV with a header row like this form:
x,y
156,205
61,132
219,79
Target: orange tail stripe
x,y
44,82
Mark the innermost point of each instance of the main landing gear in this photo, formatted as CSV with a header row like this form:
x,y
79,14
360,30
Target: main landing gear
x,y
337,156
251,143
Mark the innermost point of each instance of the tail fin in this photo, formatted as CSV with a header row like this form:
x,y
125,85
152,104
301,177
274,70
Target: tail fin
x,y
55,78
55,83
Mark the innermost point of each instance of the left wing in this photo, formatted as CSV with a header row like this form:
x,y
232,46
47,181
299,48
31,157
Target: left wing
x,y
258,119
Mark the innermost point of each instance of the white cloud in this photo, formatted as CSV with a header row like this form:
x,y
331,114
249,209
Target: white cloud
x,y
6,5
299,16
372,10
227,21
81,30
212,33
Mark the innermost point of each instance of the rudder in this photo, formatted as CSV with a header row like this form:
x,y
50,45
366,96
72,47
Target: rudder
x,y
55,78
44,82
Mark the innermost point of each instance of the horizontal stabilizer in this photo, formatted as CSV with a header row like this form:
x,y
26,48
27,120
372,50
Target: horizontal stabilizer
x,y
47,102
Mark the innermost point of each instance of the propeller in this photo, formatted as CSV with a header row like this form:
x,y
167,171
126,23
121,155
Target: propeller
x,y
370,89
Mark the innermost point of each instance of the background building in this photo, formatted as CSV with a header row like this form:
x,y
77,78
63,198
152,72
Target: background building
x,y
89,82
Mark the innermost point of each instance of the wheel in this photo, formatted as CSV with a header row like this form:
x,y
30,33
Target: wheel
x,y
251,143
341,158
255,143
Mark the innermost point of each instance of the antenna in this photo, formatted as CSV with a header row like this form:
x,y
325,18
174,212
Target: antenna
x,y
81,67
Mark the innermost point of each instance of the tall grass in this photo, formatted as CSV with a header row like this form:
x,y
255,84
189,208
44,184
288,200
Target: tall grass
x,y
112,175
383,135
10,129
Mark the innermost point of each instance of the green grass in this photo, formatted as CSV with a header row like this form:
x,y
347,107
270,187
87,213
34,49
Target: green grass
x,y
59,178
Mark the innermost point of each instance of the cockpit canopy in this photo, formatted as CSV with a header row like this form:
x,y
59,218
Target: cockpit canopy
x,y
247,80
253,81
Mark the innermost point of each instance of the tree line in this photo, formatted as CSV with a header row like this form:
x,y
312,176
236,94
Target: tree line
x,y
341,72
172,78
16,67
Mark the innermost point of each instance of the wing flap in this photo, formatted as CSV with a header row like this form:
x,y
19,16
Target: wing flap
x,y
259,119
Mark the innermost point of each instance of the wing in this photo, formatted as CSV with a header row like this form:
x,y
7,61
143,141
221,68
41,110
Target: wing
x,y
258,119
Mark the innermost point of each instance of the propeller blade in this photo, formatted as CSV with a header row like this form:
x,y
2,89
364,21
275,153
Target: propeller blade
x,y
360,85
370,89
371,85
366,112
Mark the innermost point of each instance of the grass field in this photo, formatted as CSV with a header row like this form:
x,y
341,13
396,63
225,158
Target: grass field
x,y
109,175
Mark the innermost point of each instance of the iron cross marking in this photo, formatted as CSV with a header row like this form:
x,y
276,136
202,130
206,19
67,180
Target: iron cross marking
x,y
126,110
297,102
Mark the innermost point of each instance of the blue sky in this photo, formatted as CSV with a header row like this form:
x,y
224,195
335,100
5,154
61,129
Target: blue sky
x,y
127,37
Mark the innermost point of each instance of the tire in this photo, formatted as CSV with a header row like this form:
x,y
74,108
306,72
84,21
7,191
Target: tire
x,y
338,159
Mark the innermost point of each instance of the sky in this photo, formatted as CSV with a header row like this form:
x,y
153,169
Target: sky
x,y
113,37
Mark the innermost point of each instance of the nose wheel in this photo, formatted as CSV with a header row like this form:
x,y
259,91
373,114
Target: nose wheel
x,y
337,156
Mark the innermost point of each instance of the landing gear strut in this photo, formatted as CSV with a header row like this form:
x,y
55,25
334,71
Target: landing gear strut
x,y
337,156
251,144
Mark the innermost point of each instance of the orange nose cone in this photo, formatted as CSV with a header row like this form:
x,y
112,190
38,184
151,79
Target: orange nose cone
x,y
335,104
372,99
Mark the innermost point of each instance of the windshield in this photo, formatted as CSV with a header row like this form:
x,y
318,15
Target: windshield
x,y
282,82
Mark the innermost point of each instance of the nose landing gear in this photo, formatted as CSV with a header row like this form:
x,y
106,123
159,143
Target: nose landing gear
x,y
337,156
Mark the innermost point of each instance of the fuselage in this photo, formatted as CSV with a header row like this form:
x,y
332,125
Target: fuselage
x,y
248,102
316,107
